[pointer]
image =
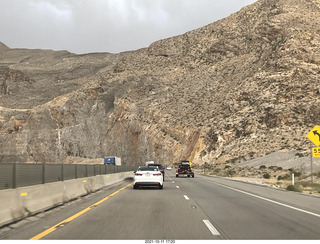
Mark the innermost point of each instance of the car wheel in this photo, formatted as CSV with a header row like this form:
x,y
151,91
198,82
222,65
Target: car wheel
x,y
177,175
192,176
160,186
135,187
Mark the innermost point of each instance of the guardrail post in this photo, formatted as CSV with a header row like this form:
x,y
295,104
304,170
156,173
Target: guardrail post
x,y
43,172
14,175
62,172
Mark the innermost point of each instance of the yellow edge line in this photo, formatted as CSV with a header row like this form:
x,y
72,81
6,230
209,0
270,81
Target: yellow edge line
x,y
53,228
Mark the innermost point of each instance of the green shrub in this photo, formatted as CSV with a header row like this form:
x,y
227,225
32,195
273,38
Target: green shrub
x,y
266,176
274,168
216,171
294,188
263,167
297,174
231,172
284,177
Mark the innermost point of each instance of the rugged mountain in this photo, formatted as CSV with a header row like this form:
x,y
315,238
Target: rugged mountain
x,y
233,90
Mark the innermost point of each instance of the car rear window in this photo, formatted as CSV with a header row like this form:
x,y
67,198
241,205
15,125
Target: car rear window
x,y
148,168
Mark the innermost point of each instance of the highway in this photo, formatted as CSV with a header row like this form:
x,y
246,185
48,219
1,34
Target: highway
x,y
200,208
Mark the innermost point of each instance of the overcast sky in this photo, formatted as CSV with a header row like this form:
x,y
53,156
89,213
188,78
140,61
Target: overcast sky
x,y
86,26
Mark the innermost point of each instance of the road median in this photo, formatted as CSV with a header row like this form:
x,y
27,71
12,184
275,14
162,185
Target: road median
x,y
18,203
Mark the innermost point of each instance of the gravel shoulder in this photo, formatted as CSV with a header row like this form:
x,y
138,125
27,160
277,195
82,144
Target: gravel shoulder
x,y
286,160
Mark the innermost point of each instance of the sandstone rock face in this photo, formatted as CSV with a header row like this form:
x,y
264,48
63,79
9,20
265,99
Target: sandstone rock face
x,y
234,90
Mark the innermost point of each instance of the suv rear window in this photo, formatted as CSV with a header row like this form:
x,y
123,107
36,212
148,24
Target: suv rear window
x,y
184,166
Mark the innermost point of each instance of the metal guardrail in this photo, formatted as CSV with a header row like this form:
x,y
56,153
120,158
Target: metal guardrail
x,y
13,175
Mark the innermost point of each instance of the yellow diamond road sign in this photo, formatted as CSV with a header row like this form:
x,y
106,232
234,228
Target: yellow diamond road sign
x,y
314,135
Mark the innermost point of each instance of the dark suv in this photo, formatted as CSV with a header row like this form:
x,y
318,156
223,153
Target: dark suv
x,y
184,169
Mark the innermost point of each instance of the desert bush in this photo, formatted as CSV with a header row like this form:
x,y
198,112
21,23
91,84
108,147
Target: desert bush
x,y
231,172
266,176
284,177
296,173
295,188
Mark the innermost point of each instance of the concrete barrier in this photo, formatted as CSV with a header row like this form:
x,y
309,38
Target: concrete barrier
x,y
16,204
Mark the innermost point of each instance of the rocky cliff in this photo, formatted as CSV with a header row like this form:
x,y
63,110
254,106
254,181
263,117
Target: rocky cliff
x,y
233,90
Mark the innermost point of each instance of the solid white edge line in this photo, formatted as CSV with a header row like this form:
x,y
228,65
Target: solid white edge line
x,y
186,197
269,200
211,227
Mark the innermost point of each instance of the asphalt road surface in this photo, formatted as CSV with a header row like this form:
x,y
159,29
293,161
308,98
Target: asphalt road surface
x,y
200,208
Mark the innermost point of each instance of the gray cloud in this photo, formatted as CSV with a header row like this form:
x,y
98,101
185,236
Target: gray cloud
x,y
85,26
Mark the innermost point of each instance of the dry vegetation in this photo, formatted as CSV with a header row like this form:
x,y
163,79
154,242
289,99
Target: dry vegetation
x,y
273,175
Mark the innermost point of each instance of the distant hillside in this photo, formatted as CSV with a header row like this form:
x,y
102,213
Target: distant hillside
x,y
233,90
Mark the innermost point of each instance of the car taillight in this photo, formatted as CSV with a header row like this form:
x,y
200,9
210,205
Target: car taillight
x,y
157,174
138,174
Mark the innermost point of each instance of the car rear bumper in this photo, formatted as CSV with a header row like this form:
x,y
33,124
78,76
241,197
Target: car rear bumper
x,y
148,183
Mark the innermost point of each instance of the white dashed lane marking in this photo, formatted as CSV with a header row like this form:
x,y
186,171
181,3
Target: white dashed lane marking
x,y
212,229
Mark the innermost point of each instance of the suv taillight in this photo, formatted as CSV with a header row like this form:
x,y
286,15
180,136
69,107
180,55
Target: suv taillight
x,y
157,174
137,174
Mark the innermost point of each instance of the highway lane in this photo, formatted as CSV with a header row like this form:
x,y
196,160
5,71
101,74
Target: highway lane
x,y
130,214
147,213
200,208
245,211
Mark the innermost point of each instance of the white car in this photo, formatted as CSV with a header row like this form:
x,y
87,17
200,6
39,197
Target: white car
x,y
148,176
